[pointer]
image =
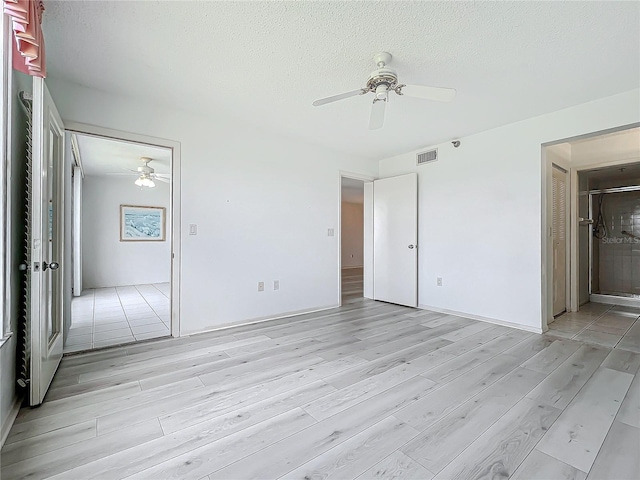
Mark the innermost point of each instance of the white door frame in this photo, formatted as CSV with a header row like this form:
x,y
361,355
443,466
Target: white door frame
x,y
354,176
76,229
546,290
176,250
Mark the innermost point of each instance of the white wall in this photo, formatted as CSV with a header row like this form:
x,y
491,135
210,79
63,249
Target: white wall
x,y
108,262
262,203
482,207
352,234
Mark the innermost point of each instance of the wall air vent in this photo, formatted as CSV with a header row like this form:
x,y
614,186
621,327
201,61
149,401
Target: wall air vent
x,y
427,157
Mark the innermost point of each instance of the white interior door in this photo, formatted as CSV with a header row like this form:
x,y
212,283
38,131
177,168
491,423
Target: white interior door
x,y
559,239
395,240
47,230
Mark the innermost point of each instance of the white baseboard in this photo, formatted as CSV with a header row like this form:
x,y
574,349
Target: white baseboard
x,y
11,417
614,300
495,321
254,321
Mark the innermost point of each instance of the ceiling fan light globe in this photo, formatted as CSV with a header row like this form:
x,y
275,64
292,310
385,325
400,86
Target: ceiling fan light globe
x,y
139,182
381,92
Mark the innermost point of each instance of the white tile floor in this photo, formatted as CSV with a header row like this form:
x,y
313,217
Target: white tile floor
x,y
111,316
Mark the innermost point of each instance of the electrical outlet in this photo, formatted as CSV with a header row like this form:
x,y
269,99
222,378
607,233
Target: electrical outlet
x,y
439,281
261,286
193,229
330,232
276,284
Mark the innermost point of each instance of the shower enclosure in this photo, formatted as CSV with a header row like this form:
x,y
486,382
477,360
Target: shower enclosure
x,y
614,243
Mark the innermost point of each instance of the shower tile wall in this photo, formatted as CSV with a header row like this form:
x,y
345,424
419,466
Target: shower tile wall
x,y
619,253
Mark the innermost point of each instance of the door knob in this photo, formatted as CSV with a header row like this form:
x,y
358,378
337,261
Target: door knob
x,y
52,266
413,246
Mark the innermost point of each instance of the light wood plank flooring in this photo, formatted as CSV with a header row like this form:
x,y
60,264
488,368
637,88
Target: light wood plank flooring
x,y
352,278
366,391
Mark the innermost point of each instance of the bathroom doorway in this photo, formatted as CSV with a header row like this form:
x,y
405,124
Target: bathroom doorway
x,y
604,248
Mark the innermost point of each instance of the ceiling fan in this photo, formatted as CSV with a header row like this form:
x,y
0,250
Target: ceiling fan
x,y
384,80
146,174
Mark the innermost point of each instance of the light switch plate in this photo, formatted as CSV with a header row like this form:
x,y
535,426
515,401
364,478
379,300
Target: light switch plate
x,y
330,232
193,229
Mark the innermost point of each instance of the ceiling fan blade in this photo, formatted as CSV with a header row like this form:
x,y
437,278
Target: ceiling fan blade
x,y
127,174
377,114
165,175
162,179
438,94
335,98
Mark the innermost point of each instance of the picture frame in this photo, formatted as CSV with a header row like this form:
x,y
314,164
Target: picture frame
x,y
142,223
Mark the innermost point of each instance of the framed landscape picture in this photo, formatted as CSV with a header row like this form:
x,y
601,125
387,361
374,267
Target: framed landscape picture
x,y
142,224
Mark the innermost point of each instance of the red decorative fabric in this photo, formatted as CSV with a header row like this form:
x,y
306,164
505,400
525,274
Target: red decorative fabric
x,y
28,47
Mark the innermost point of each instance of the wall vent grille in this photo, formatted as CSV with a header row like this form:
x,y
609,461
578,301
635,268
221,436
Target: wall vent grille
x,y
427,157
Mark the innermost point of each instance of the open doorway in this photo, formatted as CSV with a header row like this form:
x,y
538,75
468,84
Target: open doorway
x,y
352,239
120,241
603,291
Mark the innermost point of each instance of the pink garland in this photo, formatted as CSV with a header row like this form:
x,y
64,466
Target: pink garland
x,y
28,48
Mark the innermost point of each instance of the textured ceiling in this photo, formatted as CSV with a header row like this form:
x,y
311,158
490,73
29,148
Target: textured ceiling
x,y
103,156
265,62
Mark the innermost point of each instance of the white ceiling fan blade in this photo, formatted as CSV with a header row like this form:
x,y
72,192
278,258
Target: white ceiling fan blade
x,y
438,94
161,179
335,98
377,114
165,175
127,174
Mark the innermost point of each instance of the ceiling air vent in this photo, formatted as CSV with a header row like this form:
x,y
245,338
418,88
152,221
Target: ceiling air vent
x,y
427,157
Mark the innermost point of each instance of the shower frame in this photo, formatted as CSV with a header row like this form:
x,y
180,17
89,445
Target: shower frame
x,y
605,297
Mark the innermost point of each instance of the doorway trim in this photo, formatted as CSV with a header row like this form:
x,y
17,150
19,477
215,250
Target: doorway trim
x,y
366,179
176,250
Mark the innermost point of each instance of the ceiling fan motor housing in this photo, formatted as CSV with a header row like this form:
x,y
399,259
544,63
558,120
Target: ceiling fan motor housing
x,y
145,170
382,76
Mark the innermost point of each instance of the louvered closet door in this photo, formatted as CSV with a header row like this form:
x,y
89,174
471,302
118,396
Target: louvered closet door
x,y
559,235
